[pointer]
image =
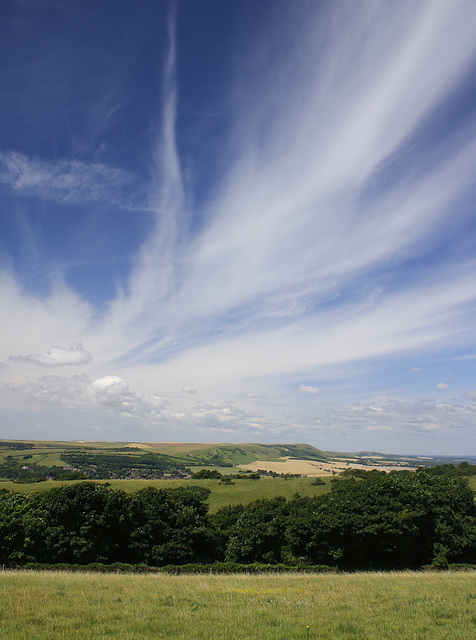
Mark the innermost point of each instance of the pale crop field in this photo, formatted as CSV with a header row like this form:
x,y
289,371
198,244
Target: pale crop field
x,y
425,606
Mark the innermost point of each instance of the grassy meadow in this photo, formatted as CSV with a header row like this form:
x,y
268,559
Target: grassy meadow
x,y
424,606
243,491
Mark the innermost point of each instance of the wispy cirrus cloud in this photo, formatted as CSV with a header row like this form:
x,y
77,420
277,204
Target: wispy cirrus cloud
x,y
310,216
67,181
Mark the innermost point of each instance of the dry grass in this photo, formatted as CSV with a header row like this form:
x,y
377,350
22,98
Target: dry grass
x,y
311,468
47,606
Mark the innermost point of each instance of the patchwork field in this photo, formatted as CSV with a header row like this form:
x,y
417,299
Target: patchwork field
x,y
281,458
425,606
23,457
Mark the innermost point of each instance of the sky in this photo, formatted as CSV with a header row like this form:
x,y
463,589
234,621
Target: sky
x,y
239,221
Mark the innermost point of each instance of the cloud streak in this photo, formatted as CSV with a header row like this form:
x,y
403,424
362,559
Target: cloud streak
x,y
310,224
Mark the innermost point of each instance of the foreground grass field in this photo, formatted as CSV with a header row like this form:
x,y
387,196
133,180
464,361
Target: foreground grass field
x,y
47,606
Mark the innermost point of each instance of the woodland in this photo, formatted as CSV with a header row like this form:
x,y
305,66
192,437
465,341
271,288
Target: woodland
x,y
375,521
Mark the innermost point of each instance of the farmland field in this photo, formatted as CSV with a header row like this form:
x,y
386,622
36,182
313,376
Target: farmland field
x,y
425,606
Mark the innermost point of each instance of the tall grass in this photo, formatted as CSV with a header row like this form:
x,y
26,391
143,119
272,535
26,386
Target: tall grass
x,y
47,606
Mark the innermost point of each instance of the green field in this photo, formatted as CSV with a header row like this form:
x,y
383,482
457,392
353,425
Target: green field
x,y
243,491
423,606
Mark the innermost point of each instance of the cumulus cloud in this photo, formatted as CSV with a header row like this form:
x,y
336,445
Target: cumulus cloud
x,y
109,387
114,396
112,393
108,394
54,390
57,357
189,390
308,389
441,385
404,422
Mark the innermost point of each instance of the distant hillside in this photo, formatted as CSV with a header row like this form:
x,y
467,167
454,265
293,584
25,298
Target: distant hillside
x,y
231,455
29,461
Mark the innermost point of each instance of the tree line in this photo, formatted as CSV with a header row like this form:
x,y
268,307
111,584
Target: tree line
x,y
393,521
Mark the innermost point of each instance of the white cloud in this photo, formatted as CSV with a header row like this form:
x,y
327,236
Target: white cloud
x,y
68,181
57,357
54,390
113,394
441,385
307,389
254,394
108,394
29,321
188,390
408,421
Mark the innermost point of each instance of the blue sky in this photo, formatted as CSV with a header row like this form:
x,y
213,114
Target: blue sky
x,y
239,221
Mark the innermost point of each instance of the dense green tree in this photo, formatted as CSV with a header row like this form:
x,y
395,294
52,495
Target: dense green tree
x,y
170,527
386,522
207,474
79,523
449,470
13,508
258,533
222,523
